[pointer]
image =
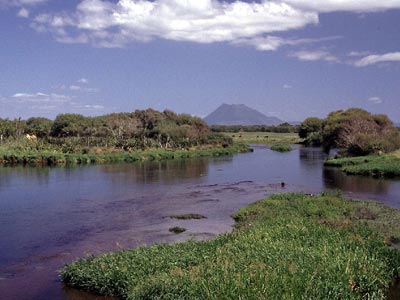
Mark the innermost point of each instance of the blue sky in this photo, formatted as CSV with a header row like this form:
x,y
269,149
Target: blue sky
x,y
286,58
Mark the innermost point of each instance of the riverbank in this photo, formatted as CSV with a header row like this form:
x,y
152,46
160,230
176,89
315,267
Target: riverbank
x,y
386,165
288,246
9,157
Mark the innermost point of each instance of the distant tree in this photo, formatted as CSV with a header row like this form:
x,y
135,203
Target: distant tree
x,y
68,125
38,126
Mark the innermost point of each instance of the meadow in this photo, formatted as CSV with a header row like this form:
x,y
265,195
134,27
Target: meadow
x,y
288,246
265,137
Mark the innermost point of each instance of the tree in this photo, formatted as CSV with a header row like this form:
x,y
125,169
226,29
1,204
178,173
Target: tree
x,y
310,130
68,125
38,126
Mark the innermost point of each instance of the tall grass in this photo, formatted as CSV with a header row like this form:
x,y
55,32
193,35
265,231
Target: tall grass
x,y
288,246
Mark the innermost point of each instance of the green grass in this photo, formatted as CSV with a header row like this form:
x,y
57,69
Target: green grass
x,y
188,217
386,165
265,137
281,148
289,246
11,156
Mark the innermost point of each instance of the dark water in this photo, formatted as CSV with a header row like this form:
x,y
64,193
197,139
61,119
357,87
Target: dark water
x,y
51,216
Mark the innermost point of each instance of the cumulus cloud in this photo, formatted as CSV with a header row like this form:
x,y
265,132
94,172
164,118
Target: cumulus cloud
x,y
314,56
375,59
325,6
108,24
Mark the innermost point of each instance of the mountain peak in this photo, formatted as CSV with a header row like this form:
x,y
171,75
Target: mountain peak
x,y
239,114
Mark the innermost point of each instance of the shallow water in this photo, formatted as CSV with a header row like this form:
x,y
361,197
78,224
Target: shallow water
x,y
51,216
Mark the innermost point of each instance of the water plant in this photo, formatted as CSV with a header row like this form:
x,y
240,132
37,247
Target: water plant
x,y
188,216
288,246
281,148
177,229
386,165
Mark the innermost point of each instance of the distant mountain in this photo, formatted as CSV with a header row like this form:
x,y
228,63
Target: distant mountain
x,y
239,114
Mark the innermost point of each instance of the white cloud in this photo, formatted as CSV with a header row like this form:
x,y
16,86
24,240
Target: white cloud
x,y
271,43
78,88
287,86
20,3
23,13
375,59
40,98
83,80
375,100
314,56
325,6
45,104
108,24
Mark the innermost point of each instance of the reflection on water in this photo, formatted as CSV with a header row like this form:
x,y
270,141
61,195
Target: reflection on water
x,y
50,216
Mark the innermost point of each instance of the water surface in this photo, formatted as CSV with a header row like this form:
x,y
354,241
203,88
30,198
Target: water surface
x,y
51,216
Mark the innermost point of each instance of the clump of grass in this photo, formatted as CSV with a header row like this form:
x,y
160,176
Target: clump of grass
x,y
372,165
281,148
177,229
289,246
188,217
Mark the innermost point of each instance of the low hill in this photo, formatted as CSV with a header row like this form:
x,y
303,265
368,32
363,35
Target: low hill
x,y
239,114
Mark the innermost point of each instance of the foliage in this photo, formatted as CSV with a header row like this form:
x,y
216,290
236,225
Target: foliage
x,y
264,137
130,132
288,246
281,148
354,131
310,130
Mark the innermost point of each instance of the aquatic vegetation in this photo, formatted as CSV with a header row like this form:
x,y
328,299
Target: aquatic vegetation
x,y
55,158
386,165
288,246
188,217
281,148
177,229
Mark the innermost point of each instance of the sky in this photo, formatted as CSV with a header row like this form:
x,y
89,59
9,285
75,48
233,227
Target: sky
x,y
291,59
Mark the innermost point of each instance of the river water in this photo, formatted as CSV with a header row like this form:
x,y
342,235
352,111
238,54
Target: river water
x,y
52,216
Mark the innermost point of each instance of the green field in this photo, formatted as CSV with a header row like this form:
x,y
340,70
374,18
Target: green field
x,y
289,246
264,137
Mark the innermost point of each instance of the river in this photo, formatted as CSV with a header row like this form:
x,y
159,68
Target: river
x,y
52,216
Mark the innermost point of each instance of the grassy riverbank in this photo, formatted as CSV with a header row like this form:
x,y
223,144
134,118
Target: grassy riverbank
x,y
289,246
387,165
264,137
12,157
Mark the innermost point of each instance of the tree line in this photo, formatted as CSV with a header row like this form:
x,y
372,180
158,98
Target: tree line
x,y
140,129
354,131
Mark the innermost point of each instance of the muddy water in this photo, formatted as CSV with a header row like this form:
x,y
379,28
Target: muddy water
x,y
51,216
